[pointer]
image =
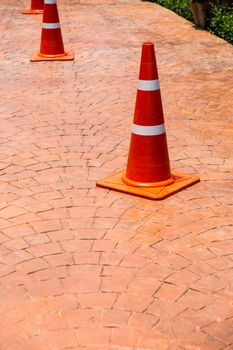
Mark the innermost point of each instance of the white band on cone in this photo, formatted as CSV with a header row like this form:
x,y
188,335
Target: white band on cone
x,y
148,85
50,25
48,2
148,130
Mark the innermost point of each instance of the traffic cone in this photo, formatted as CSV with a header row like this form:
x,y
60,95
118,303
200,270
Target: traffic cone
x,y
148,171
37,6
51,47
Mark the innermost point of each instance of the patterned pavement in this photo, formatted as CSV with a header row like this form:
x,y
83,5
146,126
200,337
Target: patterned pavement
x,y
86,268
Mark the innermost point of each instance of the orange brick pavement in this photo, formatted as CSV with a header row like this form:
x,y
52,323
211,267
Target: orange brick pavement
x,y
86,268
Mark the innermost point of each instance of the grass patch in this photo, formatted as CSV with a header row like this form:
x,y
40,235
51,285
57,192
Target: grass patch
x,y
181,7
219,20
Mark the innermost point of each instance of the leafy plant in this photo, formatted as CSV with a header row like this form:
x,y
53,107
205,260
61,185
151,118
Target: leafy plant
x,y
220,21
220,15
181,7
200,1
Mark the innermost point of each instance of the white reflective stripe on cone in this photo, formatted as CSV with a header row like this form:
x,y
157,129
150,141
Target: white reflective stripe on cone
x,y
50,25
47,2
148,130
148,85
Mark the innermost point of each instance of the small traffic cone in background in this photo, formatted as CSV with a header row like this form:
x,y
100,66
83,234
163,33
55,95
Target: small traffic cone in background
x,y
37,7
148,171
51,47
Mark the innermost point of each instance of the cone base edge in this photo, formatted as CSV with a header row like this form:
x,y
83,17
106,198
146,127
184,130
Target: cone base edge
x,y
69,56
182,181
32,12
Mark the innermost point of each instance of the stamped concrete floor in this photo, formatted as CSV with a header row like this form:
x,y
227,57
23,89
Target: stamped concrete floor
x,y
86,268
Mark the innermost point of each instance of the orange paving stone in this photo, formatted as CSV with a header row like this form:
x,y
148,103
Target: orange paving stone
x,y
87,268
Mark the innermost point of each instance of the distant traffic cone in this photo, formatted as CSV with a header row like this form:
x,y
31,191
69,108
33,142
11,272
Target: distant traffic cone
x,y
37,6
51,47
148,170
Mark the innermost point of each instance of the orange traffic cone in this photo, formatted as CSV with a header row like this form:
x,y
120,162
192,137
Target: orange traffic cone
x,y
37,6
51,47
148,170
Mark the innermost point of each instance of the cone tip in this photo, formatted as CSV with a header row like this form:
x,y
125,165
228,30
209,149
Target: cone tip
x,y
148,43
148,52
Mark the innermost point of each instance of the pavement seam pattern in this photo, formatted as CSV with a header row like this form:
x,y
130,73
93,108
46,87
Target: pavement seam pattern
x,y
86,268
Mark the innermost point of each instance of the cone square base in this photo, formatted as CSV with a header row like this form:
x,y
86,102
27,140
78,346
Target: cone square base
x,y
69,56
32,12
114,182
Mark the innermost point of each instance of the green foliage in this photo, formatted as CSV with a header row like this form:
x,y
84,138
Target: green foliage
x,y
181,7
221,21
200,1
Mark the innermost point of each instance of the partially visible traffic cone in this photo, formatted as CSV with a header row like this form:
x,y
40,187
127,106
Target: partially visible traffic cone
x,y
148,170
37,6
51,47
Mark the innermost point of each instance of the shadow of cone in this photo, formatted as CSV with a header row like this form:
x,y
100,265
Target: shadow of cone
x,y
37,7
51,47
148,171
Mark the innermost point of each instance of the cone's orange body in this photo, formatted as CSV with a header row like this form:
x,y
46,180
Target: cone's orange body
x,y
51,38
148,171
37,4
37,7
148,160
51,45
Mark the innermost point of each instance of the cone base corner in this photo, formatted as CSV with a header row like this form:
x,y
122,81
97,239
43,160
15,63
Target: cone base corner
x,y
182,181
32,12
69,56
